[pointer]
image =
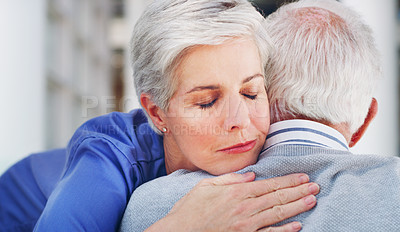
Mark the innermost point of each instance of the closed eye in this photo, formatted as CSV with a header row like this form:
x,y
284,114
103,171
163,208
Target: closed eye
x,y
252,97
207,105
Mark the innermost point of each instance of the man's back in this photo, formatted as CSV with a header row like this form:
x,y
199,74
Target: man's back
x,y
325,69
358,192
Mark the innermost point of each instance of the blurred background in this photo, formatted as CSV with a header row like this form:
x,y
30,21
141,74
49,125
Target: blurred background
x,y
63,62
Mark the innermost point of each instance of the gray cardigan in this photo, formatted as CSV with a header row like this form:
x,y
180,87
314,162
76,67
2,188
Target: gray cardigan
x,y
358,192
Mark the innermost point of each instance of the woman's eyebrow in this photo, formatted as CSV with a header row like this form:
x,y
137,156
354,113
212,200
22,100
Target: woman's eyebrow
x,y
252,77
200,88
214,87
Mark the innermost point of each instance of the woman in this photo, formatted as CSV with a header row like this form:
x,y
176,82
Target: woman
x,y
198,70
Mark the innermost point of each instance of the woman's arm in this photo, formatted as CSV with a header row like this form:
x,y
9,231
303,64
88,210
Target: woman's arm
x,y
107,158
93,193
234,202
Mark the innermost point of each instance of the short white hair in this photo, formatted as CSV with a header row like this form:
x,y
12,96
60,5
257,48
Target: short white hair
x,y
325,66
168,28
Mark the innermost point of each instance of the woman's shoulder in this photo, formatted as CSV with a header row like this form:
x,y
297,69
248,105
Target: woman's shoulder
x,y
115,123
129,132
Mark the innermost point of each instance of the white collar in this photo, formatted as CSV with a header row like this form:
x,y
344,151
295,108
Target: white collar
x,y
305,132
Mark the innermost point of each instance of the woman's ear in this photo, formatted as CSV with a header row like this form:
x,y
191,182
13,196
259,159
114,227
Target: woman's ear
x,y
373,110
156,114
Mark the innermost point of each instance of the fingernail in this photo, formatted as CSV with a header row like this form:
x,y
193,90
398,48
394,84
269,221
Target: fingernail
x,y
303,178
296,226
313,188
248,174
309,200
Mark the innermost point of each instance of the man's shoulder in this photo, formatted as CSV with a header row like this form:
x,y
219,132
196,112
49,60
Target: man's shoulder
x,y
356,191
287,159
299,152
153,200
178,183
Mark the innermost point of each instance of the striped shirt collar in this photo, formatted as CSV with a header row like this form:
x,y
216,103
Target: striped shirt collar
x,y
305,132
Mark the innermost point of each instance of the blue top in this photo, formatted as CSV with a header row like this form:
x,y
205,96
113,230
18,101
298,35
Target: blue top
x,y
87,186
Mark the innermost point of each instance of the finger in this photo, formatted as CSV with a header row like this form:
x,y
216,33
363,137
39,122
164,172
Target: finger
x,y
290,227
262,187
230,178
281,212
284,196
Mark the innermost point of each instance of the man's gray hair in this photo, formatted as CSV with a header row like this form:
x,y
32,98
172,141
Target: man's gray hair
x,y
325,67
168,28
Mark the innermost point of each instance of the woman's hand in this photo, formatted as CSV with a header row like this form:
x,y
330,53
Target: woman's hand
x,y
234,202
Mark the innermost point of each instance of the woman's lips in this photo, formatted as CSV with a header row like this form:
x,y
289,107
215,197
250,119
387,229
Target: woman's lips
x,y
240,147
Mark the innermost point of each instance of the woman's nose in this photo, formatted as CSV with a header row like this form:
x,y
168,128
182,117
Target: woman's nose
x,y
237,114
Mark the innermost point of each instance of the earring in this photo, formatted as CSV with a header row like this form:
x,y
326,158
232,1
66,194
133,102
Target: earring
x,y
164,129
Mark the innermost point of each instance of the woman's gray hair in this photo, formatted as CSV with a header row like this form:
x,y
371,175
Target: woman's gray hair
x,y
167,28
326,65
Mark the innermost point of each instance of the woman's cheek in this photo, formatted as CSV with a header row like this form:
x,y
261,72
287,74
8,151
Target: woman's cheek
x,y
260,117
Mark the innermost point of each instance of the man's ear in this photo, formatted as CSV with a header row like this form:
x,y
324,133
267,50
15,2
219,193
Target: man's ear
x,y
373,110
156,114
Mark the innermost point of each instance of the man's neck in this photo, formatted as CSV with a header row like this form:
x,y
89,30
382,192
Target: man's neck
x,y
343,128
303,131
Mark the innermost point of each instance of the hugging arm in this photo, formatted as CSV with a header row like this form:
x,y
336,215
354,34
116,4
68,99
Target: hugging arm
x,y
234,202
93,193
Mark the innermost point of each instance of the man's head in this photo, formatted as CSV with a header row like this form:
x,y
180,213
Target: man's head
x,y
325,67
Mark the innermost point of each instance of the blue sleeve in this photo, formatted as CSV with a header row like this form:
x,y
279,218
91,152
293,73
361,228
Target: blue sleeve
x,y
25,188
93,193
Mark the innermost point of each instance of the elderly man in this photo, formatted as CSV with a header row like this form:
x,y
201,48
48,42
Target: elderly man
x,y
320,83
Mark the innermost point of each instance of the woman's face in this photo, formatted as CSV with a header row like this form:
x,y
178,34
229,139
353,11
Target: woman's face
x,y
218,118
